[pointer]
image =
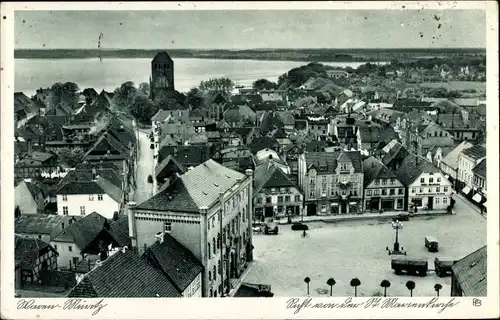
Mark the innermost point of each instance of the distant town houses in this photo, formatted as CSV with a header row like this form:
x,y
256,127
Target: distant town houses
x,y
336,143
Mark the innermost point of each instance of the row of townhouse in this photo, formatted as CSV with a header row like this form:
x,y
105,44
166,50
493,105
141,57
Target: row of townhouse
x,y
340,182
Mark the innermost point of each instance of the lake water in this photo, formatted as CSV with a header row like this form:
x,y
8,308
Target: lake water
x,y
31,74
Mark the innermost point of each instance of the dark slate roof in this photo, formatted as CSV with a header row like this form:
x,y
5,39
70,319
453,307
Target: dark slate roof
x,y
195,189
162,56
21,101
374,169
175,261
327,161
27,250
268,175
476,152
124,275
82,232
250,290
320,160
396,149
412,167
471,273
480,169
79,181
165,167
119,230
261,143
41,224
377,134
33,189
186,155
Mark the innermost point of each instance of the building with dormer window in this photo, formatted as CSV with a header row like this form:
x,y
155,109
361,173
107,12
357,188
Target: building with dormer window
x,y
332,182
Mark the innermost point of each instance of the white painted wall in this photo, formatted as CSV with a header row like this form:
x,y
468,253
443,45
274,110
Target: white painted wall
x,y
105,207
194,288
425,190
65,255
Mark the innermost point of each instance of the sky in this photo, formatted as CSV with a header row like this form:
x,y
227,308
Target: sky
x,y
230,29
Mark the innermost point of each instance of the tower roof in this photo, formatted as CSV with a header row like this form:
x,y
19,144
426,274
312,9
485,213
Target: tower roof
x,y
162,56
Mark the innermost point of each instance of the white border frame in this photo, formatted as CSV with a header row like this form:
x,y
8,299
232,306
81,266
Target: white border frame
x,y
238,308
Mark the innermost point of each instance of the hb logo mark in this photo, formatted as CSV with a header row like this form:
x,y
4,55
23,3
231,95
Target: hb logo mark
x,y
476,302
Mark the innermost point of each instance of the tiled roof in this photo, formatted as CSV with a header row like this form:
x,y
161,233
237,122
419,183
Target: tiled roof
x,y
451,159
268,175
412,167
374,169
476,152
471,273
83,231
480,169
197,188
187,155
161,115
115,192
175,261
80,181
166,164
41,224
33,189
261,143
376,134
322,161
27,251
393,149
124,275
119,230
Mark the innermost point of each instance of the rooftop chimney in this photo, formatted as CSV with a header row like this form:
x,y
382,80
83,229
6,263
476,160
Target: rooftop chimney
x,y
29,145
94,173
131,223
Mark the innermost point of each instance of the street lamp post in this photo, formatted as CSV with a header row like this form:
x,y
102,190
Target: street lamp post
x,y
397,225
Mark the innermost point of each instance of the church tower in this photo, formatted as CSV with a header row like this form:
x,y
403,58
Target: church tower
x,y
162,75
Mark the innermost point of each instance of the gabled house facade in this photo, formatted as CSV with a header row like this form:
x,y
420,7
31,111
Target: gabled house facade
x,y
382,189
332,182
427,187
275,195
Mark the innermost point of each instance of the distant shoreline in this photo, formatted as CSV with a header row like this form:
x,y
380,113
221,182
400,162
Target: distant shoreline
x,y
299,55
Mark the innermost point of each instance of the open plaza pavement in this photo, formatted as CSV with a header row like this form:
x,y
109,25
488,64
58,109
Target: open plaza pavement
x,y
357,249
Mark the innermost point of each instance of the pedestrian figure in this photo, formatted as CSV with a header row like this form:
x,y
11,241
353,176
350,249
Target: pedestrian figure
x,y
304,234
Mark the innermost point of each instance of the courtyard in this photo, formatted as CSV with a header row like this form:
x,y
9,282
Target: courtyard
x,y
357,249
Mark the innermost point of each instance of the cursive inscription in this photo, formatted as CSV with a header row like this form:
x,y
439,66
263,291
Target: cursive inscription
x,y
297,304
70,304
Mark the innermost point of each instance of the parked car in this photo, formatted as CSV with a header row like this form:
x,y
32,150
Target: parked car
x,y
402,264
152,146
257,227
297,226
150,179
402,217
442,266
270,227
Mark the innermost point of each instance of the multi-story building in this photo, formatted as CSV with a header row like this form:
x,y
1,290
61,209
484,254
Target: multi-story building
x,y
427,188
479,183
319,127
467,160
449,164
332,182
207,210
382,188
275,195
83,191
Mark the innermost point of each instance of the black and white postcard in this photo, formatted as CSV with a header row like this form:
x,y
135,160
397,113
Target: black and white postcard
x,y
244,160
